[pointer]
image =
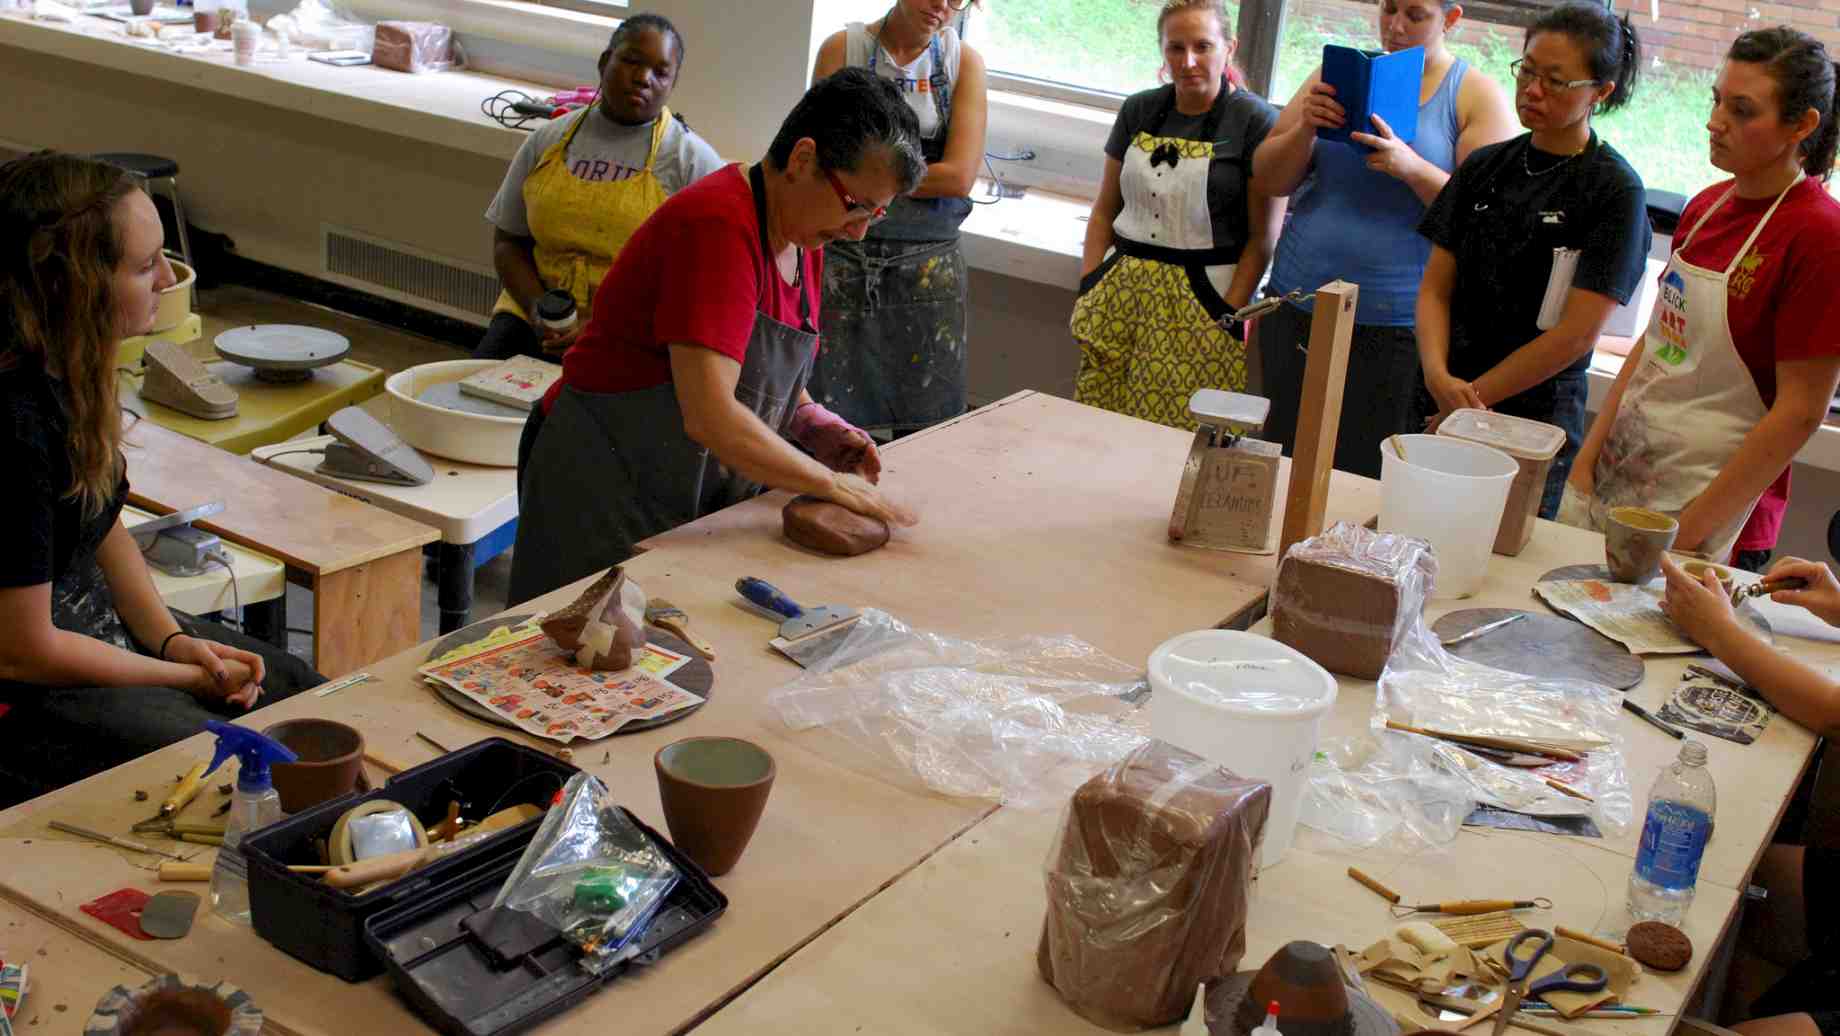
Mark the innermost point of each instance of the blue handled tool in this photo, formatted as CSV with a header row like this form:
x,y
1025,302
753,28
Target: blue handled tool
x,y
808,634
1576,978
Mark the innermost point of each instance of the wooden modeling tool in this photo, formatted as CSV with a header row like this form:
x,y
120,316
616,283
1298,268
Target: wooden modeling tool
x,y
1381,890
119,843
670,618
182,795
1567,790
1505,744
1590,940
1474,906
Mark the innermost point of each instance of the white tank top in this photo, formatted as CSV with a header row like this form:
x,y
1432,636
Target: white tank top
x,y
915,79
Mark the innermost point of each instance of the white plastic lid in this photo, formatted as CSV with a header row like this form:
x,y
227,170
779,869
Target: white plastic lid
x,y
1515,436
1252,676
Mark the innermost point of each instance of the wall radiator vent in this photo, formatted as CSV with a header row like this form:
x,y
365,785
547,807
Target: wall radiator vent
x,y
398,272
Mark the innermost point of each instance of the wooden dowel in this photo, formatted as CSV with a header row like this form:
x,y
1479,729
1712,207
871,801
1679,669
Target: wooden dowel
x,y
1573,792
1384,893
1592,940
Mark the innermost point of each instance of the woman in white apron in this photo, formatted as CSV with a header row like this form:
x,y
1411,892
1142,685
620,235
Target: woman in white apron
x,y
1741,357
1177,240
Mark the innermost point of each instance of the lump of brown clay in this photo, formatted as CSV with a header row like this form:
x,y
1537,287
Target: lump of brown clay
x,y
605,625
1660,946
179,1012
832,528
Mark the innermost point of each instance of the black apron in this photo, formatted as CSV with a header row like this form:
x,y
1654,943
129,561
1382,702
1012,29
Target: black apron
x,y
607,470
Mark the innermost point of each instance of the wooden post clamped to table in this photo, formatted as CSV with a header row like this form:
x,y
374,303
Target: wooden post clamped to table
x,y
1319,412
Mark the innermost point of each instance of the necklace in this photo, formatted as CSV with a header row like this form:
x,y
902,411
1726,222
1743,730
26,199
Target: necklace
x,y
1527,163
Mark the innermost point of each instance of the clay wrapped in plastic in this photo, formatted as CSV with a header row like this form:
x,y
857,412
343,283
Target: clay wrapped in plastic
x,y
1347,597
1148,886
413,46
605,626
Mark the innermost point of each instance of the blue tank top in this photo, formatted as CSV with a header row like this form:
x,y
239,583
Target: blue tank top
x,y
1349,222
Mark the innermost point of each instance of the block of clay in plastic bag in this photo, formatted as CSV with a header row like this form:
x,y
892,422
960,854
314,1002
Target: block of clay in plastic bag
x,y
605,626
1346,598
1149,885
413,46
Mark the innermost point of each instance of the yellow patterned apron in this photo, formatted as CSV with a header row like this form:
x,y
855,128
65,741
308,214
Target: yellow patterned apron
x,y
580,226
1147,320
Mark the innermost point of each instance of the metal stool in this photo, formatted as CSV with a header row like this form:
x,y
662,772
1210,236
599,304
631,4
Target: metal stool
x,y
152,168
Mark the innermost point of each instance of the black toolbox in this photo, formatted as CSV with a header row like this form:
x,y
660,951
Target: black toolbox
x,y
324,926
463,986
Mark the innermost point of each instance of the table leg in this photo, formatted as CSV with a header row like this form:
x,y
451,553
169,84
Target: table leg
x,y
454,582
267,620
367,612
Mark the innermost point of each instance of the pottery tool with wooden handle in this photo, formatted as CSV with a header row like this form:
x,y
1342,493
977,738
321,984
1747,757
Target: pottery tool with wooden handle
x,y
1506,744
1765,587
809,634
1473,906
670,618
182,795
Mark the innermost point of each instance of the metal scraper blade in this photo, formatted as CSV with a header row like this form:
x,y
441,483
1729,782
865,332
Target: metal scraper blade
x,y
814,620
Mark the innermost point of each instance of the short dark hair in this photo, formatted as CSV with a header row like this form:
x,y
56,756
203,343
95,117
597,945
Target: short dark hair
x,y
633,25
1805,78
846,114
1611,46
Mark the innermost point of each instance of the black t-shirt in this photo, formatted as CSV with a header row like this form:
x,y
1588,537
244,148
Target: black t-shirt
x,y
48,537
1244,121
1502,214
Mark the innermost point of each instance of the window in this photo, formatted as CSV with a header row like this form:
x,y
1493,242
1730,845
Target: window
x,y
1090,51
609,8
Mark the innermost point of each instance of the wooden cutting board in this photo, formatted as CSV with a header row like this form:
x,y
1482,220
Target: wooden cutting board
x,y
1543,646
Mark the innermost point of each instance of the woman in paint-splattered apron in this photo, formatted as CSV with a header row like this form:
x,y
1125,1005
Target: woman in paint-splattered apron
x,y
1188,240
893,358
101,670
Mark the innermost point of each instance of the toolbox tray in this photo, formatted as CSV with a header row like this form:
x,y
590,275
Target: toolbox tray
x,y
446,972
324,926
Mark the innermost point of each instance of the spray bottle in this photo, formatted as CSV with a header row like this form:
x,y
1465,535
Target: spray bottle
x,y
255,804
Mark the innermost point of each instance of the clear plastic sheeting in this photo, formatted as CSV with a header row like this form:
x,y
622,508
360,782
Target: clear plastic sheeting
x,y
1149,886
1347,597
1020,720
1428,688
1390,792
590,873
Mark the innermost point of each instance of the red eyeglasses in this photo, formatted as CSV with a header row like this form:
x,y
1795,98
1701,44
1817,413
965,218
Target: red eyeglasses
x,y
850,204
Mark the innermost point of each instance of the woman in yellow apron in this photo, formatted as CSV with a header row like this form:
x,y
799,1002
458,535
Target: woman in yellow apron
x,y
581,185
1187,238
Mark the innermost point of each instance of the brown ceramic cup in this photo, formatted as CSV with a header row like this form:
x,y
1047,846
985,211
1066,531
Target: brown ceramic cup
x,y
1634,540
713,790
331,762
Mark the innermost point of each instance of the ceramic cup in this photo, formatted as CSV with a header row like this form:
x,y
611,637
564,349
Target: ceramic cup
x,y
1634,540
713,790
331,762
141,8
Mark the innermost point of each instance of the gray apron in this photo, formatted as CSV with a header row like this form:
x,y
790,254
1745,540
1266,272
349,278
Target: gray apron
x,y
610,469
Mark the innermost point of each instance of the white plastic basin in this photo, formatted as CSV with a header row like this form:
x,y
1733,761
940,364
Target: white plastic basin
x,y
475,438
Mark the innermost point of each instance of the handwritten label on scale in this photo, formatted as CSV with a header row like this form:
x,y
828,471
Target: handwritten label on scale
x,y
1227,497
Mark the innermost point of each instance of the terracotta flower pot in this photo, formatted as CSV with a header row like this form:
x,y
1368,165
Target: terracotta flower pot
x,y
713,790
331,762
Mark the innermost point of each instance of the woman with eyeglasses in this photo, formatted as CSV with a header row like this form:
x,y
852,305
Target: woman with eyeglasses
x,y
1354,215
1177,239
1740,361
686,391
894,354
1536,241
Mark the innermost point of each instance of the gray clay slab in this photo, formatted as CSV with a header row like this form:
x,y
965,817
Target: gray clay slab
x,y
282,347
447,396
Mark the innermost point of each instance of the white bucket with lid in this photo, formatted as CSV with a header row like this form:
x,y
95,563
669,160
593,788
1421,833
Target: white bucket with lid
x,y
1249,703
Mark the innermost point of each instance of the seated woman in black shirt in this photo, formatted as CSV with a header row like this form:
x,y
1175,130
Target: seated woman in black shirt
x,y
95,668
1487,337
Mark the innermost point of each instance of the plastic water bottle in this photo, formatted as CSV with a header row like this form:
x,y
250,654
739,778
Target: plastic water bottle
x,y
255,805
1269,1027
1680,810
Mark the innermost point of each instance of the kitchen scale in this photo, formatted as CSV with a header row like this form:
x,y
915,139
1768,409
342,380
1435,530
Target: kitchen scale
x,y
282,353
1229,483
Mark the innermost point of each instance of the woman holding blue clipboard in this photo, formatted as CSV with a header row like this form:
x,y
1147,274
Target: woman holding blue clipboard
x,y
1536,241
1355,209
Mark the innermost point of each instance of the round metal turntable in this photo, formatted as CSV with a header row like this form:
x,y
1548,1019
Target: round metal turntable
x,y
282,352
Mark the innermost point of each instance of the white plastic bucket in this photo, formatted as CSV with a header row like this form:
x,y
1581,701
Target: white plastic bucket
x,y
1452,493
1249,703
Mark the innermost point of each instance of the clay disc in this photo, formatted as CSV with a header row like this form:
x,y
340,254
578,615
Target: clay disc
x,y
1660,946
1746,611
1543,646
696,675
169,914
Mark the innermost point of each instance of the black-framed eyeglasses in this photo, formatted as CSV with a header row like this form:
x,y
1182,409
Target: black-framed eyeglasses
x,y
1525,75
857,209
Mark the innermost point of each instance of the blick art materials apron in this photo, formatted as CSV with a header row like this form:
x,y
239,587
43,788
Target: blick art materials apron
x,y
1147,318
580,226
1687,408
610,469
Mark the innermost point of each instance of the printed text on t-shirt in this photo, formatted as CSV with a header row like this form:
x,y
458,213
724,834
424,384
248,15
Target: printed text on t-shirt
x,y
600,170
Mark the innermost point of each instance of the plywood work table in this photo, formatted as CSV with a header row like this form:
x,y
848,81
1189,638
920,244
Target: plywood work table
x,y
1041,516
66,975
950,948
362,563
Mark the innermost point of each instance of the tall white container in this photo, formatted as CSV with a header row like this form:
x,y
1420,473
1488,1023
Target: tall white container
x,y
1249,703
1452,493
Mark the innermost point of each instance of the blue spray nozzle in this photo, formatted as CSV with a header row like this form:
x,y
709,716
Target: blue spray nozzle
x,y
255,753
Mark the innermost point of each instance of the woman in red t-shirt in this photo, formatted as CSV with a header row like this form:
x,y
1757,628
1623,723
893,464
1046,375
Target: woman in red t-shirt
x,y
1742,355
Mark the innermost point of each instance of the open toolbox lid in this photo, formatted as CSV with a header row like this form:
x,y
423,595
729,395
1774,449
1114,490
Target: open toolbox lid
x,y
471,970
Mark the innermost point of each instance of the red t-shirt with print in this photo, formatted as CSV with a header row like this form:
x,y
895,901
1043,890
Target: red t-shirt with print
x,y
690,275
1783,299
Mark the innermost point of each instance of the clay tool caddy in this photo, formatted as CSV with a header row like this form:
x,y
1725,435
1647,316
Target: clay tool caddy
x,y
173,378
1229,484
